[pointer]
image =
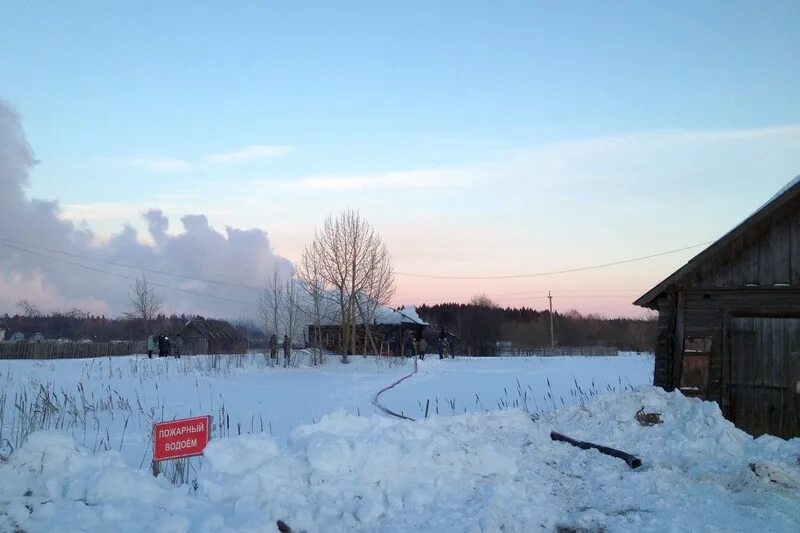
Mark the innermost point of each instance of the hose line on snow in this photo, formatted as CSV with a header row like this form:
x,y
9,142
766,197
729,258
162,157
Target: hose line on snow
x,y
386,410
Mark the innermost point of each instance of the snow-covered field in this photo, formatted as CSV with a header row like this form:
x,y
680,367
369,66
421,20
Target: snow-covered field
x,y
307,446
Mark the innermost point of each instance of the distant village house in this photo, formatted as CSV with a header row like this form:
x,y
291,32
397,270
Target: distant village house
x,y
208,336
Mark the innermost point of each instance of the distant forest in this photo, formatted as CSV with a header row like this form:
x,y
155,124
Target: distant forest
x,y
490,329
484,327
73,326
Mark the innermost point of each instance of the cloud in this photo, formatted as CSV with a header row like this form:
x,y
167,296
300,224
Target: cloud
x,y
416,179
54,263
250,153
98,211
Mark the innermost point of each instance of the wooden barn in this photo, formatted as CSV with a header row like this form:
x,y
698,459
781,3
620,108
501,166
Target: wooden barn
x,y
729,321
202,336
390,332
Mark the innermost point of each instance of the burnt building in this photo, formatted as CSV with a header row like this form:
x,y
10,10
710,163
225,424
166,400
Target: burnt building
x,y
390,331
729,321
205,336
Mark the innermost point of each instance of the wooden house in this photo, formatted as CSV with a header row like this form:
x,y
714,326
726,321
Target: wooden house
x,y
205,336
729,321
390,331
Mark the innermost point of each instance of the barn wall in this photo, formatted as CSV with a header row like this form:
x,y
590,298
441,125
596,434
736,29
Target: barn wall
x,y
707,313
665,342
765,255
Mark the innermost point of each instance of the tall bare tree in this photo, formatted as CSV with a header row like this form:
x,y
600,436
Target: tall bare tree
x,y
271,302
378,290
28,309
290,313
355,265
316,290
145,302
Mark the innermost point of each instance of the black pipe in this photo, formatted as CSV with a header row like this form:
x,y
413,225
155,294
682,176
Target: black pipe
x,y
633,462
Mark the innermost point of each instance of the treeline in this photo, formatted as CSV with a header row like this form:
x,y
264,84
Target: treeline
x,y
76,327
489,329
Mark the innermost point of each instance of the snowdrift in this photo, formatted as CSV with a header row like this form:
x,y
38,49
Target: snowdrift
x,y
496,471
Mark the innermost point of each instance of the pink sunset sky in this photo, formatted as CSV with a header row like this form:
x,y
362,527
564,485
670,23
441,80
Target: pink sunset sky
x,y
480,140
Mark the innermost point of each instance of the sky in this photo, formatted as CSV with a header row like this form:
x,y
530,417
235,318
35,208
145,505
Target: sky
x,y
479,138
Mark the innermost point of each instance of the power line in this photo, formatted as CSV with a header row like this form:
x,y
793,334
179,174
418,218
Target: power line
x,y
567,271
575,292
23,247
132,267
123,276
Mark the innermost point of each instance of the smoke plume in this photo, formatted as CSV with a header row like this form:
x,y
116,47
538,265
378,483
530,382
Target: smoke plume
x,y
56,265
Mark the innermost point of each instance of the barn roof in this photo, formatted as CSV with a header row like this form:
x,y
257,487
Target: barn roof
x,y
386,316
787,194
214,329
402,315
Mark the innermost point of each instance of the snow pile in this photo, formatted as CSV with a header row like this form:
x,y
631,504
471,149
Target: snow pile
x,y
496,471
50,484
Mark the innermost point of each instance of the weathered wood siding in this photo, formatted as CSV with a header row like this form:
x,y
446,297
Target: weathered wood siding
x,y
765,255
712,313
665,343
69,350
765,365
755,276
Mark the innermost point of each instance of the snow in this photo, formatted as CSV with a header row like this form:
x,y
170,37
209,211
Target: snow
x,y
785,188
488,469
792,183
405,314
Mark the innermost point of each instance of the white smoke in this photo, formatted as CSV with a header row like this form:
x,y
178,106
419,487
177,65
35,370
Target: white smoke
x,y
34,231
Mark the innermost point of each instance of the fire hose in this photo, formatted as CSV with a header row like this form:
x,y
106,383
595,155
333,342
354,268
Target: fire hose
x,y
633,462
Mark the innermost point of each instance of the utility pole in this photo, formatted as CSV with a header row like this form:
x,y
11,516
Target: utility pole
x,y
552,337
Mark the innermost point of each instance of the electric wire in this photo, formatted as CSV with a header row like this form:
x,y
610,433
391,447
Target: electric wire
x,y
123,276
124,265
29,248
552,273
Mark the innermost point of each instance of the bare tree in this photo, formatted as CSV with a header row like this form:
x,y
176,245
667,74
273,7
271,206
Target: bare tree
x,y
290,313
29,309
270,303
377,291
355,265
315,288
145,302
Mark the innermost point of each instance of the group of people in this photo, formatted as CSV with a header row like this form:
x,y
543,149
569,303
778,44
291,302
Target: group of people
x,y
273,347
419,347
165,345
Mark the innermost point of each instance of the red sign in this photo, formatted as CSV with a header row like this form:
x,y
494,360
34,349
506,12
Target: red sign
x,y
181,438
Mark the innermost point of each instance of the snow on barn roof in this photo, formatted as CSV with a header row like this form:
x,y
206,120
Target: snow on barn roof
x,y
213,329
386,316
401,315
781,198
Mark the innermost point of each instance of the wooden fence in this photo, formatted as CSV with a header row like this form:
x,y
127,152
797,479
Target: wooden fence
x,y
560,351
69,350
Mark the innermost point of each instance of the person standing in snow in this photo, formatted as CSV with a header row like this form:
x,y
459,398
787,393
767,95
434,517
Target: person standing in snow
x,y
442,343
287,350
151,345
273,347
422,345
178,346
408,344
